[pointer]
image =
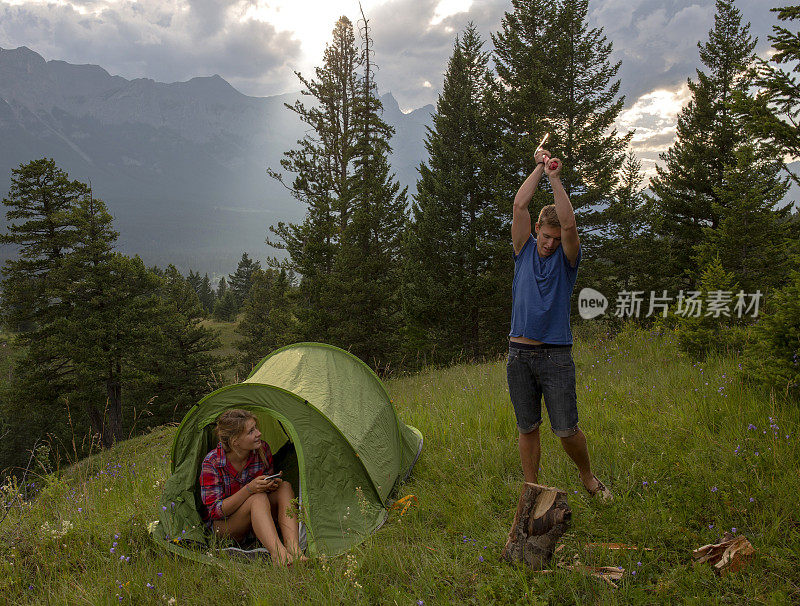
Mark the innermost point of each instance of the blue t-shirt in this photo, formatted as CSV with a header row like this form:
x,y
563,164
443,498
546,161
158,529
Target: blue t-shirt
x,y
541,295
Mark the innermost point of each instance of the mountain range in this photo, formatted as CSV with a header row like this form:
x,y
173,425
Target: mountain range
x,y
181,166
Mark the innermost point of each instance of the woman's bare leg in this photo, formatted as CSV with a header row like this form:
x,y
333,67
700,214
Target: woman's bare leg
x,y
255,513
286,514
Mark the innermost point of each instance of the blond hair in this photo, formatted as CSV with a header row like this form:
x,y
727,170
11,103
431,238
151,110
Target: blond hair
x,y
231,424
549,216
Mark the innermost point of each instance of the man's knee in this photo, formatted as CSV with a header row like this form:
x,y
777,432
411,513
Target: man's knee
x,y
570,436
531,434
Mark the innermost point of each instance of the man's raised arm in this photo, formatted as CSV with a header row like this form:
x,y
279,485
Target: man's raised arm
x,y
566,215
521,222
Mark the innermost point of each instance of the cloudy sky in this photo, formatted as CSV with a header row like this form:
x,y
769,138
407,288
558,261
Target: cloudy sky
x,y
258,44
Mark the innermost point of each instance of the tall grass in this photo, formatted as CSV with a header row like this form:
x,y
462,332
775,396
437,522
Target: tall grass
x,y
688,450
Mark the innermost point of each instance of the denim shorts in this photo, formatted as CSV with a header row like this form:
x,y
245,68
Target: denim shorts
x,y
546,370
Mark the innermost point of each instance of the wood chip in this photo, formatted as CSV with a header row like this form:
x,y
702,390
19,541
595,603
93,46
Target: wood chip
x,y
620,546
730,555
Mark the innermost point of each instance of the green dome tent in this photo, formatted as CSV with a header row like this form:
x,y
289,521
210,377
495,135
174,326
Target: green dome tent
x,y
333,430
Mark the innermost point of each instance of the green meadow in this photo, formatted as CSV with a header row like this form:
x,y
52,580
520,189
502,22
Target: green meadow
x,y
688,449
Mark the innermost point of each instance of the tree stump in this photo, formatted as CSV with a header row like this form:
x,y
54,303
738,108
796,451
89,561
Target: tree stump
x,y
543,515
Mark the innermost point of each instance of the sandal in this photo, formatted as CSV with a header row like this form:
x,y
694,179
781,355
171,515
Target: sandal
x,y
601,491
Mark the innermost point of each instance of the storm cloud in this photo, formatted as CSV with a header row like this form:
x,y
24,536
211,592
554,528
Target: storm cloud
x,y
164,40
655,40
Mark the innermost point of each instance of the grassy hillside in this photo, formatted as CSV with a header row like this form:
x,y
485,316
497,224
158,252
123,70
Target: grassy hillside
x,y
687,449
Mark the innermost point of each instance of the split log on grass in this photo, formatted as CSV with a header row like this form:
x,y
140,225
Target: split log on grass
x,y
729,555
543,515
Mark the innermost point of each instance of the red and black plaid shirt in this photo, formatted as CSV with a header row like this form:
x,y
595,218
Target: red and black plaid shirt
x,y
219,479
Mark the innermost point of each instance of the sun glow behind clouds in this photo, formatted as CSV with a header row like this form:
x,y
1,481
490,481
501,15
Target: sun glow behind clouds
x,y
654,117
312,21
445,8
654,114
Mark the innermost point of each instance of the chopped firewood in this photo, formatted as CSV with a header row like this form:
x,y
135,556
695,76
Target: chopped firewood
x,y
543,515
619,546
609,574
729,555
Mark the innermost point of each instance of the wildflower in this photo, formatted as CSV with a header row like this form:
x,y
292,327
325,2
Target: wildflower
x,y
420,603
714,489
161,574
633,572
480,558
638,563
710,526
733,530
751,427
752,499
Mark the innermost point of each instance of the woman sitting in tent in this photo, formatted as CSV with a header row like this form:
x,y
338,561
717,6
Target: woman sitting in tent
x,y
238,495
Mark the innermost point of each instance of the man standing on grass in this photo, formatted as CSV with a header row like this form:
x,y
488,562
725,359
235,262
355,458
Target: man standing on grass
x,y
540,348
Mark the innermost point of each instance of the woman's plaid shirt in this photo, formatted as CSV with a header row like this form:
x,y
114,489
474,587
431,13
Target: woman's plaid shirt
x,y
219,479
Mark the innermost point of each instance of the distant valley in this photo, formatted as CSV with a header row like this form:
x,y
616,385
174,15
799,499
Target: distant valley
x,y
181,166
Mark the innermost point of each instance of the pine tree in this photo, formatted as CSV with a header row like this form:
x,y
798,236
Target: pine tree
x,y
323,168
365,286
225,308
710,330
222,287
241,280
521,51
708,134
455,255
206,294
772,357
753,238
181,360
104,336
627,257
772,116
346,251
267,321
39,204
194,281
558,79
